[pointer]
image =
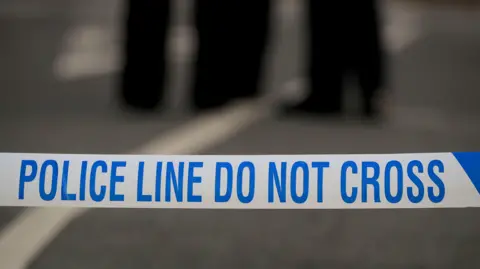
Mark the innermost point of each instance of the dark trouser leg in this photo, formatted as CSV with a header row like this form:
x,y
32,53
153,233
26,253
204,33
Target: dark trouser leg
x,y
144,71
369,89
370,57
231,40
325,62
211,84
252,35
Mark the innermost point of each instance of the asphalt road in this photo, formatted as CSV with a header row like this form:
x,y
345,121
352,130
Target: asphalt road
x,y
432,106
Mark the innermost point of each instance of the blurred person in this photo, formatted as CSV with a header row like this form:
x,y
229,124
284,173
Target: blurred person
x,y
232,36
343,37
232,40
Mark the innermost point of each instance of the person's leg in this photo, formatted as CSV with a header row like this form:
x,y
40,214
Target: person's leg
x,y
252,35
231,42
211,80
326,66
143,75
370,57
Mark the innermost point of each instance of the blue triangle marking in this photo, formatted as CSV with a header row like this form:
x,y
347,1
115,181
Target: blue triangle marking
x,y
470,162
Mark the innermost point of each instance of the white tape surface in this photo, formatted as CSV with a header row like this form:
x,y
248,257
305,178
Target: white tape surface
x,y
257,182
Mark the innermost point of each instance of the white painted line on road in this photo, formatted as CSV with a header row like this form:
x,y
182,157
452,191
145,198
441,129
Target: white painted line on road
x,y
29,234
79,65
401,35
401,27
94,51
88,50
204,132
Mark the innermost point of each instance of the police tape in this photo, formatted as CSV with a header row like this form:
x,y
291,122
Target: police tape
x,y
422,180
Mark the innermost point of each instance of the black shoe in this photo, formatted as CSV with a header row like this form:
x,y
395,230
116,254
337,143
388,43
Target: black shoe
x,y
137,95
371,112
138,102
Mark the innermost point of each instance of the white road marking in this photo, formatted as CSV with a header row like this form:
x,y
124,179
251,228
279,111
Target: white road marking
x,y
30,232
25,237
401,25
400,35
79,65
94,51
88,50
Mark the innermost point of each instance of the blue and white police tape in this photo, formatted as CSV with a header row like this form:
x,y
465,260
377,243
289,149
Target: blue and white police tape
x,y
422,180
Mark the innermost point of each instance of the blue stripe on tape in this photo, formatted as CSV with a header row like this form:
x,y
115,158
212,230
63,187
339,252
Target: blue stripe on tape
x,y
470,162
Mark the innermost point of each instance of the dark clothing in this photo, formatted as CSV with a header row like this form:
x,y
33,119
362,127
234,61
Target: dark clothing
x,y
232,36
143,75
232,39
348,42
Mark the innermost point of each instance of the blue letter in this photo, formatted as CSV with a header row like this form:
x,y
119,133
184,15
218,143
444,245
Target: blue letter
x,y
97,197
43,172
343,182
65,195
416,180
83,179
24,178
437,180
140,196
320,166
293,185
251,187
114,179
219,198
192,179
388,191
274,181
172,179
373,180
158,181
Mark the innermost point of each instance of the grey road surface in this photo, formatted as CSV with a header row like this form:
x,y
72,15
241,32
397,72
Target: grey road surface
x,y
433,96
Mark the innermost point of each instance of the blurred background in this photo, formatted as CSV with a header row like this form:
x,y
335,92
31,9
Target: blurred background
x,y
59,64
